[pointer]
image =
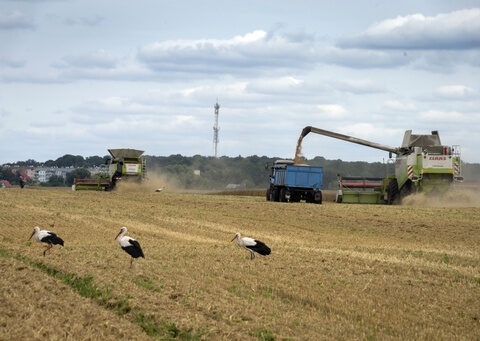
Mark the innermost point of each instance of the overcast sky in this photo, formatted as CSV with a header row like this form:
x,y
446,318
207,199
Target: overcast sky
x,y
82,76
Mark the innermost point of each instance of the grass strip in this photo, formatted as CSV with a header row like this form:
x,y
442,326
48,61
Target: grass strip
x,y
86,287
153,327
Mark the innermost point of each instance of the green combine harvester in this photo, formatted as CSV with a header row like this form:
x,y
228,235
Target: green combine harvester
x,y
422,164
125,165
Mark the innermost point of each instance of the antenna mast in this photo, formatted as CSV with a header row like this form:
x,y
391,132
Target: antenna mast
x,y
216,128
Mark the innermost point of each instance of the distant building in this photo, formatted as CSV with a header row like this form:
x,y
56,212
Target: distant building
x,y
98,170
196,172
43,174
30,172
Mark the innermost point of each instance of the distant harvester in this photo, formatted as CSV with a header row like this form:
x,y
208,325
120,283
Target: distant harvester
x,y
125,164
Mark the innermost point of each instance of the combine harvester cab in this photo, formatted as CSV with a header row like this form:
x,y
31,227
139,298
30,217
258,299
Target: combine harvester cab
x,y
422,164
290,182
125,164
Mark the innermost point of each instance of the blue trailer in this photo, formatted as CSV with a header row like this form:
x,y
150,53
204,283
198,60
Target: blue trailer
x,y
289,182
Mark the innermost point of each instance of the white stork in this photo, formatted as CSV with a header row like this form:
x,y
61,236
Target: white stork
x,y
252,245
129,245
45,236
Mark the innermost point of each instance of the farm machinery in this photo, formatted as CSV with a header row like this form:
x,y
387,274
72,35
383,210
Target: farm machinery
x,y
290,182
422,164
124,165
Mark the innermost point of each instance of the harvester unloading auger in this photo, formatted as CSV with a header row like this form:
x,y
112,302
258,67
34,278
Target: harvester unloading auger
x,y
125,164
422,164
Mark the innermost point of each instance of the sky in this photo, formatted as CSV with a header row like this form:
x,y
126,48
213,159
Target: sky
x,y
80,76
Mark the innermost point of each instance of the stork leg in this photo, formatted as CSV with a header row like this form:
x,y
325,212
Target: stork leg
x,y
47,249
252,255
131,262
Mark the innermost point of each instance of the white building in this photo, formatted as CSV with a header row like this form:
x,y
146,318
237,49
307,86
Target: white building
x,y
43,174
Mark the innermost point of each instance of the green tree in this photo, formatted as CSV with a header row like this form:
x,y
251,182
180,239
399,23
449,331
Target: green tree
x,y
70,160
92,161
79,173
56,181
7,174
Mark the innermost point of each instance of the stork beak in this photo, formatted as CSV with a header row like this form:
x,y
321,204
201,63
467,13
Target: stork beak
x,y
31,235
233,239
118,235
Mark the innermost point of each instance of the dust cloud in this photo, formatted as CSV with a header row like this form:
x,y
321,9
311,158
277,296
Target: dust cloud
x,y
152,183
454,198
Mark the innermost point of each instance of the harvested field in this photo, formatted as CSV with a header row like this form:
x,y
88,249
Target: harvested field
x,y
336,271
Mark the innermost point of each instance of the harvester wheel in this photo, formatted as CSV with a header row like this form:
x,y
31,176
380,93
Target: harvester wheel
x,y
393,193
269,193
407,189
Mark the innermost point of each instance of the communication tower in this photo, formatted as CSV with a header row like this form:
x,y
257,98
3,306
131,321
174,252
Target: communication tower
x,y
216,128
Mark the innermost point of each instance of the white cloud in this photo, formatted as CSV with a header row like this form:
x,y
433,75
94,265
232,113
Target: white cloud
x,y
253,52
182,120
370,132
332,111
455,92
362,59
33,77
246,94
396,105
196,95
360,86
15,20
284,85
98,59
115,105
444,61
84,21
11,62
454,30
444,116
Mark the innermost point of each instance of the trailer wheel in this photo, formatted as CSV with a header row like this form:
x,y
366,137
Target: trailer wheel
x,y
282,195
269,193
309,197
318,197
275,194
294,197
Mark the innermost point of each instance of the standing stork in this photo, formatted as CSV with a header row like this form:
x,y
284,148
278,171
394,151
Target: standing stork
x,y
129,245
45,236
252,245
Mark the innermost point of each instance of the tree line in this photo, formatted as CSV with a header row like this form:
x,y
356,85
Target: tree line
x,y
67,160
207,172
